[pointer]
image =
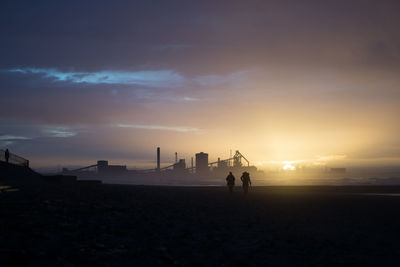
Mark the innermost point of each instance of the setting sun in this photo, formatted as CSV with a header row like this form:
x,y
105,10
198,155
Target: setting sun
x,y
288,166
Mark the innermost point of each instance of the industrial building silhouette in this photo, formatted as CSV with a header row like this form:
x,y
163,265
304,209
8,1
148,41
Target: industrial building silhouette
x,y
202,168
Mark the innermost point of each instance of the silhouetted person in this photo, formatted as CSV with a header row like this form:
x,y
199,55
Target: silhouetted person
x,y
246,181
7,155
230,181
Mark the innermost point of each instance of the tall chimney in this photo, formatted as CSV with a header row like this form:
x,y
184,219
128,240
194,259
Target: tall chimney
x,y
158,159
176,157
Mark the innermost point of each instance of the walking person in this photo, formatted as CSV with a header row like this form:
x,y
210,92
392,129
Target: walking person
x,y
7,155
245,181
230,181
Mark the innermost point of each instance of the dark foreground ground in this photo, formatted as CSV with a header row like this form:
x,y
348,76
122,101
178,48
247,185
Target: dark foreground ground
x,y
91,225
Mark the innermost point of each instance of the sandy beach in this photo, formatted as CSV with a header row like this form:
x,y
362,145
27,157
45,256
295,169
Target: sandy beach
x,y
116,225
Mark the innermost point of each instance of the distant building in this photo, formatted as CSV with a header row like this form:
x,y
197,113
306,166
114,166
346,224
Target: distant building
x,y
201,162
338,170
180,165
222,164
103,167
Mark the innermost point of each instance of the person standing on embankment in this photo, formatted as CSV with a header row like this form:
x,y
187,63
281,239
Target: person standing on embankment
x,y
7,155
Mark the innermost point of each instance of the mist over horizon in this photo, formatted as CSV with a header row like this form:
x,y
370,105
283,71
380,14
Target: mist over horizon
x,y
199,133
310,83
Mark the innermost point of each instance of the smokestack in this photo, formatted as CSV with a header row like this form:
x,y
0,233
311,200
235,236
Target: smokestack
x,y
158,159
176,157
192,164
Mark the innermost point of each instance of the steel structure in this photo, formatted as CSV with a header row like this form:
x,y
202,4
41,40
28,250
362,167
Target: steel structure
x,y
235,161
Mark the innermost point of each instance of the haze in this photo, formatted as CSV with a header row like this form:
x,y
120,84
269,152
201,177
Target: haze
x,y
315,82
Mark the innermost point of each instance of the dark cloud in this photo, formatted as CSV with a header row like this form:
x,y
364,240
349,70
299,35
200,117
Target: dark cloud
x,y
100,35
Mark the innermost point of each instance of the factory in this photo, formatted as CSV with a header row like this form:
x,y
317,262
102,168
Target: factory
x,y
202,163
202,167
104,167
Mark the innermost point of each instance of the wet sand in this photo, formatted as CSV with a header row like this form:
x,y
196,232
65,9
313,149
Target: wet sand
x,y
116,225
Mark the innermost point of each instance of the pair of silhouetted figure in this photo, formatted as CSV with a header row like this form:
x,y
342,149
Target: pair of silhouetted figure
x,y
245,178
7,155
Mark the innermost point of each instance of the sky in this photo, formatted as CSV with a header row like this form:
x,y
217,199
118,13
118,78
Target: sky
x,y
313,82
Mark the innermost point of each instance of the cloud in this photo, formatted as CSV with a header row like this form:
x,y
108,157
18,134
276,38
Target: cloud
x,y
331,157
156,78
5,137
235,79
190,99
61,132
171,47
6,140
160,127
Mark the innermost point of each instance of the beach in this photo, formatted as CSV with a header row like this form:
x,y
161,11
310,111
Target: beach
x,y
77,224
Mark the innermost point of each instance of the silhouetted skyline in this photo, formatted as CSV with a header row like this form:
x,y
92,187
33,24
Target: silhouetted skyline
x,y
309,82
